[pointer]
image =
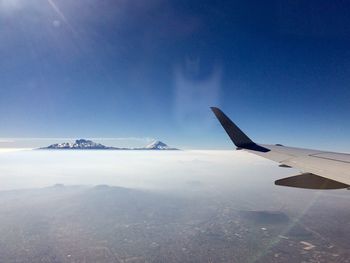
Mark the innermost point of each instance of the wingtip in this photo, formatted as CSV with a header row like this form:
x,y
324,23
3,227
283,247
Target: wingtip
x,y
239,138
215,109
217,112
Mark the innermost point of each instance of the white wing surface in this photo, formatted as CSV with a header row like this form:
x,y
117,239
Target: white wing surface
x,y
319,169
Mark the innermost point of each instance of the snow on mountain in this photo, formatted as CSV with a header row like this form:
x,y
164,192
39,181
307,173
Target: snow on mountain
x,y
158,145
83,144
79,145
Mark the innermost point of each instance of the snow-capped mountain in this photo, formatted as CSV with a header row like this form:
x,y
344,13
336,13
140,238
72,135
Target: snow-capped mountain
x,y
83,144
158,145
80,144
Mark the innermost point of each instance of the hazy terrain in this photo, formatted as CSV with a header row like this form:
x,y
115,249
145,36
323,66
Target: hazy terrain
x,y
186,206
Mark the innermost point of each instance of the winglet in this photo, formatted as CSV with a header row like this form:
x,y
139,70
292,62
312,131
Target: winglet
x,y
236,135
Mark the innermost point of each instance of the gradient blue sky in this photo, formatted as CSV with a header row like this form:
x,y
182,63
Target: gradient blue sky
x,y
118,68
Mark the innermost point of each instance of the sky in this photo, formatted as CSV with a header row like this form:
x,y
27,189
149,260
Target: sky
x,y
151,69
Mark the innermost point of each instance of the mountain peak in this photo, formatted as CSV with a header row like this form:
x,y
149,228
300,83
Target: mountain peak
x,y
83,144
79,144
158,145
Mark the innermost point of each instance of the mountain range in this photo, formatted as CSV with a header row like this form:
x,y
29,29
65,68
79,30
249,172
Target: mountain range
x,y
83,144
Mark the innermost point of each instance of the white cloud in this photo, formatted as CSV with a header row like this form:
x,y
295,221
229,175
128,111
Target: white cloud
x,y
6,141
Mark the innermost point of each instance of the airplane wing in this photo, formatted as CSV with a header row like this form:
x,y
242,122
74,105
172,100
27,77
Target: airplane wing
x,y
319,169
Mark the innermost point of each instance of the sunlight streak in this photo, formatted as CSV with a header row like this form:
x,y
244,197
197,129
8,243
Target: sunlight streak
x,y
61,15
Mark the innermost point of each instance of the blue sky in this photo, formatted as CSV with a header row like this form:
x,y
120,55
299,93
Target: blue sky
x,y
151,69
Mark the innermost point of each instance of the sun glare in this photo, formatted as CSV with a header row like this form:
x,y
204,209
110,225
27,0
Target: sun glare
x,y
6,5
